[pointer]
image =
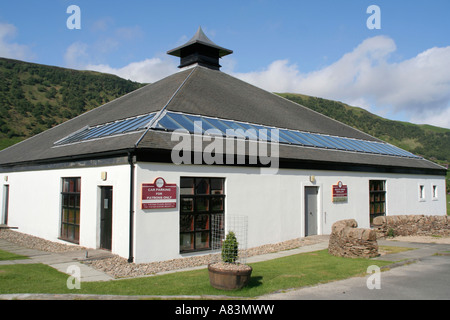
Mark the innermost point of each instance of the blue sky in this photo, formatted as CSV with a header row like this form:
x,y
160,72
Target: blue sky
x,y
322,48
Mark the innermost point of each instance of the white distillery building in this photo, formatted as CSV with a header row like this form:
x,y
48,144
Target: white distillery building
x,y
154,175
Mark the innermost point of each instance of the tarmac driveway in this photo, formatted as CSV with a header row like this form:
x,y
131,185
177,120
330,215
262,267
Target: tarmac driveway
x,y
427,277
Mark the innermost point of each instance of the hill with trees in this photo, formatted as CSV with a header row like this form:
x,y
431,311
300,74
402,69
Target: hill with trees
x,y
428,141
36,97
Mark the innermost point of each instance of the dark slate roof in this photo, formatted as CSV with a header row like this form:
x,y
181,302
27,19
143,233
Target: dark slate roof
x,y
217,94
198,91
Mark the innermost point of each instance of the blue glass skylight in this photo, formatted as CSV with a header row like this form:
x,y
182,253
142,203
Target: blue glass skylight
x,y
172,121
109,129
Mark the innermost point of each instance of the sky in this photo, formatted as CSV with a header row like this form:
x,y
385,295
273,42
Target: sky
x,y
392,60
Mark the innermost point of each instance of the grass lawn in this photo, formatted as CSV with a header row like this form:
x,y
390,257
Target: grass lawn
x,y
4,255
268,276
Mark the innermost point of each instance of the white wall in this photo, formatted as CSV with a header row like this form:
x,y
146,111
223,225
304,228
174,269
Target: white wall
x,y
35,203
274,204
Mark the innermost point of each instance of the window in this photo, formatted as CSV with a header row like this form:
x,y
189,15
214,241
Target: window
x,y
435,192
377,194
202,202
70,211
421,193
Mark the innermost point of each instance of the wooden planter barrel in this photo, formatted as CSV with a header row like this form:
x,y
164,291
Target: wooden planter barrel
x,y
228,279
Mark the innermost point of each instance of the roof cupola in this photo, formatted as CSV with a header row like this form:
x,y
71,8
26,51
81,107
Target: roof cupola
x,y
200,50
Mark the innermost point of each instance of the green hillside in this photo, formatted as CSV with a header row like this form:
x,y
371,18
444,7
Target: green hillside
x,y
35,97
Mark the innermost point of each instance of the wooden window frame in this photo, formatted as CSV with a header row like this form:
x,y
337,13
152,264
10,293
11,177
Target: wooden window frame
x,y
197,209
70,209
377,198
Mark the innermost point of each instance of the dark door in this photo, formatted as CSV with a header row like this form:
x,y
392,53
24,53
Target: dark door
x,y
311,210
106,217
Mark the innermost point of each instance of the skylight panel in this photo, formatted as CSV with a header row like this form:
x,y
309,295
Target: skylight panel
x,y
304,138
383,149
340,144
204,123
216,123
228,128
140,123
326,141
183,121
239,129
285,134
315,141
267,131
364,146
168,123
133,124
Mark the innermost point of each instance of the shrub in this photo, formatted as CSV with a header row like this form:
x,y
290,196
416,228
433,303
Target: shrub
x,y
230,248
391,233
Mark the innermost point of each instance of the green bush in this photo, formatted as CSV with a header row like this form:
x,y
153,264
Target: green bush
x,y
391,233
230,248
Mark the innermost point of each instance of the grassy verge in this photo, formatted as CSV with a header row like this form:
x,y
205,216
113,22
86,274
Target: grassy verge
x,y
4,255
289,272
393,249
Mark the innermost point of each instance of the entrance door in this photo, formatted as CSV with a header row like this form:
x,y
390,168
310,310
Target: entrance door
x,y
106,218
311,210
5,205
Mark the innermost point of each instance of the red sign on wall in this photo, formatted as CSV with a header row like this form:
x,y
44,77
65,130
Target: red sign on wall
x,y
340,192
159,195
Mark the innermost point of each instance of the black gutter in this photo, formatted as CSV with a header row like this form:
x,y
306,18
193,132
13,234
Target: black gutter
x,y
131,162
164,156
63,162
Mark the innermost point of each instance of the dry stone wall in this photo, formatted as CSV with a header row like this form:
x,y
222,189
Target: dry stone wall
x,y
411,225
346,240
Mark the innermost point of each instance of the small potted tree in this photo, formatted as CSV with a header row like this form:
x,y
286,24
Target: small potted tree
x,y
228,274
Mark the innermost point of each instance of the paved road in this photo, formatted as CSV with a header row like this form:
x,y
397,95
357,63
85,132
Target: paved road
x,y
427,278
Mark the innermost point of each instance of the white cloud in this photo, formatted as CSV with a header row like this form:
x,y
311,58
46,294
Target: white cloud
x,y
82,56
418,87
9,49
76,55
146,71
436,118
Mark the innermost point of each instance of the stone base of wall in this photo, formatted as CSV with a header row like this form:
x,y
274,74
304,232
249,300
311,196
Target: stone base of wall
x,y
411,225
346,240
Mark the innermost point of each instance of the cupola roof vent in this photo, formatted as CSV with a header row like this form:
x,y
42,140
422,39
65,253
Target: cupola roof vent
x,y
200,50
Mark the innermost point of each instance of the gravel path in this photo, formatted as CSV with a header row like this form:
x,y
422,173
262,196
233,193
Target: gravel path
x,y
119,267
36,243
